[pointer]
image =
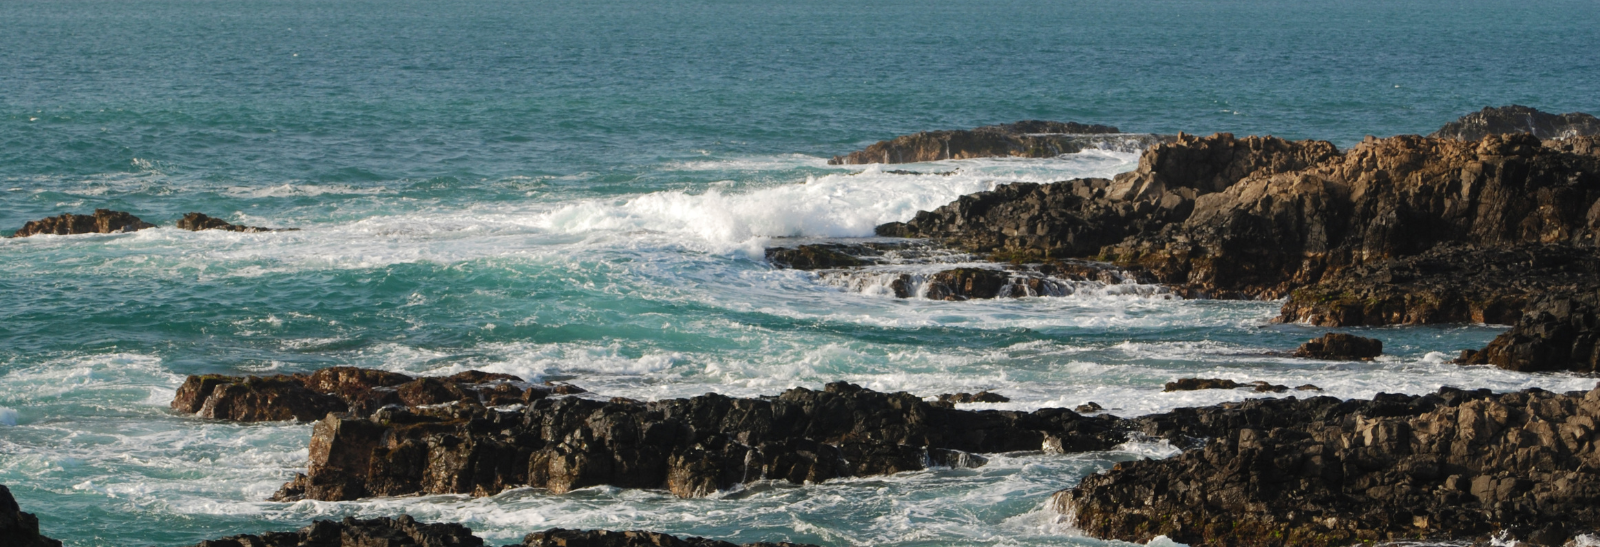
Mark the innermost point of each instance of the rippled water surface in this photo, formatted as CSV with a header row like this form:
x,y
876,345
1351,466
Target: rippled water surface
x,y
583,191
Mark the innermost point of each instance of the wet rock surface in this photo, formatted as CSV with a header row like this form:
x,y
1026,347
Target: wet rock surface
x,y
1519,119
691,447
1340,346
103,221
557,537
195,222
1196,384
1561,332
308,397
919,270
1453,465
985,396
1029,139
19,529
402,531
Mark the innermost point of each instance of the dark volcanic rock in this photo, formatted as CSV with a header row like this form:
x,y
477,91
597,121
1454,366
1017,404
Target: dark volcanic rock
x,y
967,283
103,221
1196,384
692,447
985,396
817,257
557,537
1560,333
195,222
19,529
1519,119
351,532
1340,346
1457,465
1030,139
308,397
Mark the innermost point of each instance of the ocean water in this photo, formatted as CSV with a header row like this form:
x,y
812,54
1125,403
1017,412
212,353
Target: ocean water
x,y
582,191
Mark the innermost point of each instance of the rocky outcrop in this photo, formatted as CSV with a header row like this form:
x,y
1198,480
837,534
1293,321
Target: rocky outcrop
x,y
308,397
103,221
1450,466
1339,346
403,531
1197,384
817,257
1518,119
19,529
1446,284
195,222
691,447
1561,332
557,537
967,283
906,270
1029,139
950,400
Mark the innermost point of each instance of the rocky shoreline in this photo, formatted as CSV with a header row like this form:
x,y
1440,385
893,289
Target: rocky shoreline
x,y
106,221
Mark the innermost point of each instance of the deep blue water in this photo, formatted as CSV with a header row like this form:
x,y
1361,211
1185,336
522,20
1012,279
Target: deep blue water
x,y
581,190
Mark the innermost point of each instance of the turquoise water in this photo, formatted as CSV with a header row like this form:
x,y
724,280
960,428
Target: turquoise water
x,y
581,191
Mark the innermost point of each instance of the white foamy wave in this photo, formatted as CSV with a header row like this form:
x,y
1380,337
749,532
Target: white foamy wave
x,y
8,416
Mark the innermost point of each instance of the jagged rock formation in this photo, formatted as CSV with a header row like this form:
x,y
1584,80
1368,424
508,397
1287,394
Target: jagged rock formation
x,y
19,529
1455,465
950,400
1340,346
1561,332
903,269
403,531
1029,139
308,397
557,537
1197,384
692,447
103,221
1261,217
1518,119
195,222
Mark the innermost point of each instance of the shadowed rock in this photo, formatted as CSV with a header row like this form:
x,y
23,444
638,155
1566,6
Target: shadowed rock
x,y
967,283
557,537
1560,333
308,397
351,532
1029,139
1519,119
103,221
1196,384
195,222
1450,466
691,447
816,257
949,400
1340,346
19,529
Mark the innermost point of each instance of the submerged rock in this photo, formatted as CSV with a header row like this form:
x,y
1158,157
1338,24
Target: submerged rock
x,y
1560,333
1519,119
1451,466
19,529
691,447
1029,139
308,397
557,537
817,257
1341,347
403,531
195,222
1196,384
103,221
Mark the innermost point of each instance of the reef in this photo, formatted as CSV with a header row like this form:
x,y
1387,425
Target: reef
x,y
1518,119
908,270
691,447
19,529
195,222
308,397
404,531
1028,139
1449,466
1341,347
103,221
557,537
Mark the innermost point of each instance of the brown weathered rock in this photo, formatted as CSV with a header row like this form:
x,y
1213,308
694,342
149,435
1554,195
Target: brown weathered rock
x,y
691,447
557,537
195,222
103,221
967,283
1340,346
308,397
1089,408
1452,466
19,529
1031,139
351,532
1519,119
1560,333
